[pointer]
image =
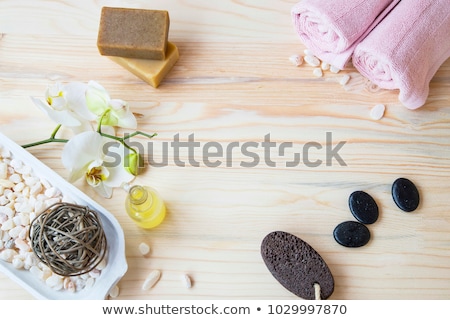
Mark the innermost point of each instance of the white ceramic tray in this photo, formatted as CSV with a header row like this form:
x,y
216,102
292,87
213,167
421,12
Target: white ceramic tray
x,y
116,260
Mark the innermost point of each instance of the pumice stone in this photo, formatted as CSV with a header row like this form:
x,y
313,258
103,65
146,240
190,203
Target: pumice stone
x,y
296,265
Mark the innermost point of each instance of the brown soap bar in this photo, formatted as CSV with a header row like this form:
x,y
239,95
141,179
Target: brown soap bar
x,y
133,33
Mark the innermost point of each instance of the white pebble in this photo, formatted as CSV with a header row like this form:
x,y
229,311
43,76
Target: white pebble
x,y
344,80
151,280
296,60
14,232
101,265
8,255
8,225
16,164
144,248
7,211
94,273
334,69
36,189
15,178
19,187
187,281
7,184
317,72
377,112
312,60
325,66
36,272
55,282
22,245
51,192
114,292
17,263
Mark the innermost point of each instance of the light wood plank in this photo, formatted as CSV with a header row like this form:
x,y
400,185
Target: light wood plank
x,y
234,83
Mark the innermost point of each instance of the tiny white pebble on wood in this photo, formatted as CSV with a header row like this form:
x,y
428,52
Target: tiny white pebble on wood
x,y
151,280
377,112
144,248
114,292
187,281
334,69
317,72
325,66
312,60
296,60
344,80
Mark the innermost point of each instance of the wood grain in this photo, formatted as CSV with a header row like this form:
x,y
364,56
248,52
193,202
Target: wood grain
x,y
234,83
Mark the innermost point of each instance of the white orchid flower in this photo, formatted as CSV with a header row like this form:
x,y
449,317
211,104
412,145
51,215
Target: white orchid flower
x,y
114,112
66,105
98,159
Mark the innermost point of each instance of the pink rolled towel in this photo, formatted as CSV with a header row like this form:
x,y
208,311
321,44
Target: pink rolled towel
x,y
332,28
407,48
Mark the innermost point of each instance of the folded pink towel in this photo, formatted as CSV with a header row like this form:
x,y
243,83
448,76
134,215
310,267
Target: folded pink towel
x,y
407,48
332,28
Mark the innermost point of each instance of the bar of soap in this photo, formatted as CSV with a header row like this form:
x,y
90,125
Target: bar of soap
x,y
133,33
151,71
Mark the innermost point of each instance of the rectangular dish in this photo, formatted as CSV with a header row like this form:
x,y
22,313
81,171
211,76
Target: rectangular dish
x,y
116,261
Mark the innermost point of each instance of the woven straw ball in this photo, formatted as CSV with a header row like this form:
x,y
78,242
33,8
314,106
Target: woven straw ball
x,y
68,238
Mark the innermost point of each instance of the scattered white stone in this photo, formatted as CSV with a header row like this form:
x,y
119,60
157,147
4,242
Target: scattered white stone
x,y
187,281
334,69
114,292
296,60
377,112
317,72
151,280
144,248
312,60
344,80
325,66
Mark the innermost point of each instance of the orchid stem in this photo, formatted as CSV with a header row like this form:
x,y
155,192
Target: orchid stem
x,y
49,140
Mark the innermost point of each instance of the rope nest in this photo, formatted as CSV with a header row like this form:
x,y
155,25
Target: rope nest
x,y
68,238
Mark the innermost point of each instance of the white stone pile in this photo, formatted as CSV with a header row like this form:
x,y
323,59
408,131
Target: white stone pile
x,y
23,195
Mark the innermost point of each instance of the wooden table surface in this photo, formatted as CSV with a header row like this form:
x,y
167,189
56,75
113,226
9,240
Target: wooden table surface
x,y
234,83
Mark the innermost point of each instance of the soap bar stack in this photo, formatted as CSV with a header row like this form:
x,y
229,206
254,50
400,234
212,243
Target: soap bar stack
x,y
137,40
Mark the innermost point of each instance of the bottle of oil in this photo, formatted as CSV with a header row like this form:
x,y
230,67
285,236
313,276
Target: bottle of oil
x,y
145,206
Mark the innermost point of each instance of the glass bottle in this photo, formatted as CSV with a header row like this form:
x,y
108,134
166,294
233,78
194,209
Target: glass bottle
x,y
145,206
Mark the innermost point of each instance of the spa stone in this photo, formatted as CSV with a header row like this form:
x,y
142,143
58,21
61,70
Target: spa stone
x,y
296,265
363,207
133,33
405,194
351,234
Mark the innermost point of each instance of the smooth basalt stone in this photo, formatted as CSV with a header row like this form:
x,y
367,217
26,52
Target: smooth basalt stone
x,y
296,265
405,194
363,207
351,234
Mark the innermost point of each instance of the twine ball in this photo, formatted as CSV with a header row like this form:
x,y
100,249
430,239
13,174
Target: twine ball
x,y
68,238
